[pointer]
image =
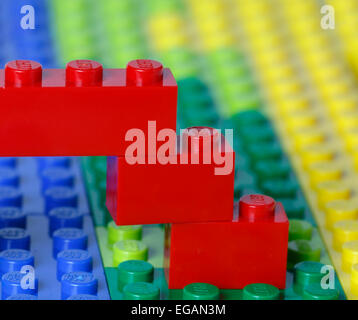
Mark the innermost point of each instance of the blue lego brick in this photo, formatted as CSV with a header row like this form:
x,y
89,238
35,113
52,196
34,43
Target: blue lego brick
x,y
31,238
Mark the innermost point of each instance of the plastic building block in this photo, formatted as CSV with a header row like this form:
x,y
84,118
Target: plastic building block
x,y
168,190
201,291
131,271
316,292
252,248
73,260
260,291
129,250
141,291
11,285
129,98
78,282
152,235
14,260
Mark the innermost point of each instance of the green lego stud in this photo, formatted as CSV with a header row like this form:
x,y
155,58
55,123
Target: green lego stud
x,y
141,291
302,250
191,86
280,188
201,291
264,151
260,291
307,273
249,118
131,271
300,230
316,292
129,250
272,170
119,233
257,134
294,208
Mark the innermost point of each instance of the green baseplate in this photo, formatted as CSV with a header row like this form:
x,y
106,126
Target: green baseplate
x,y
261,167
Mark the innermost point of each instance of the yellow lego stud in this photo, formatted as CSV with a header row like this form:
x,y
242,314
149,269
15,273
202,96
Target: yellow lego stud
x,y
278,72
320,75
341,104
301,120
344,231
354,280
292,104
351,139
349,255
335,88
316,153
340,210
347,121
324,171
308,136
332,190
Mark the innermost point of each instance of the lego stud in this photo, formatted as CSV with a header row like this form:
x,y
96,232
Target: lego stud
x,y
200,140
23,73
84,73
142,72
255,207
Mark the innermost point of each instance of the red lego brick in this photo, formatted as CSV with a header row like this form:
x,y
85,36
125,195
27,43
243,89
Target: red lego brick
x,y
252,248
158,192
84,110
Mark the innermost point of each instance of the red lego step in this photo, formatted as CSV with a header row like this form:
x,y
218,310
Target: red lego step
x,y
185,186
83,110
252,248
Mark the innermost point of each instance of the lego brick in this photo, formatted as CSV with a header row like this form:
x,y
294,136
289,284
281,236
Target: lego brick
x,y
166,189
261,223
128,98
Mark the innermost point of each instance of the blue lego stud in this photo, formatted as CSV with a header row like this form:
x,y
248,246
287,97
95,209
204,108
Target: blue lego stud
x,y
83,297
67,239
73,260
12,283
79,282
48,162
9,162
10,197
65,217
9,177
60,197
22,296
12,217
56,177
14,238
14,260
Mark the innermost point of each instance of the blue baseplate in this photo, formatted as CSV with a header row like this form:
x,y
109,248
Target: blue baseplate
x,y
37,226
